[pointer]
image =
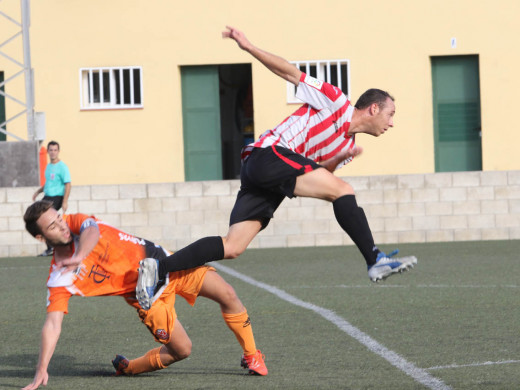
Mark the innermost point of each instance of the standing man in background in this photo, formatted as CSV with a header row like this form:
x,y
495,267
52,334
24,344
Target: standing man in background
x,y
57,184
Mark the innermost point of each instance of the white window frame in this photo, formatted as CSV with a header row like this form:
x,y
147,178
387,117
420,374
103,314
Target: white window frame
x,y
323,73
86,86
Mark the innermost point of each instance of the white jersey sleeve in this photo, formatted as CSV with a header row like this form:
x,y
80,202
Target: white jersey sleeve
x,y
319,94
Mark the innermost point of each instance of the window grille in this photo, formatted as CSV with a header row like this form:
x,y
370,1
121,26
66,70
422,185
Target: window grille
x,y
111,88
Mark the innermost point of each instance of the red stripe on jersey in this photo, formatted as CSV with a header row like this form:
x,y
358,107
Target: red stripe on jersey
x,y
342,131
332,92
296,116
331,154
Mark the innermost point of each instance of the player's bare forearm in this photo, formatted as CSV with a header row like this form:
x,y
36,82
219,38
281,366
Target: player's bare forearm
x,y
330,164
333,162
50,335
38,192
65,203
277,65
274,63
88,239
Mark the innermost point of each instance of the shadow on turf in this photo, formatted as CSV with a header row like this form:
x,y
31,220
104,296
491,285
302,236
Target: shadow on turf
x,y
67,366
61,365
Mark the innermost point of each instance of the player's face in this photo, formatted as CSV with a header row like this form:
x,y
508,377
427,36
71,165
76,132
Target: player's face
x,y
384,118
54,229
53,152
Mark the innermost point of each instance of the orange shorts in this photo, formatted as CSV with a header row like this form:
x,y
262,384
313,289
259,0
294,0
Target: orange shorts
x,y
160,319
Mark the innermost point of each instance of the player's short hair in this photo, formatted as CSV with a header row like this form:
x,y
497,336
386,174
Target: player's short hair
x,y
32,214
372,96
53,143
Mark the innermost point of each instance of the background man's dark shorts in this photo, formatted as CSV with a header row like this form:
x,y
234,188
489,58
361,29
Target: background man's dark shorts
x,y
56,201
267,177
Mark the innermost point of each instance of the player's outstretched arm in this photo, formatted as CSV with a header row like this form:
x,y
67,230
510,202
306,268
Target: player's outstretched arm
x,y
274,63
50,335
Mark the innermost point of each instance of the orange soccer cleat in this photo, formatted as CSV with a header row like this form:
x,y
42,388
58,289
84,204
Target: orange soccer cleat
x,y
255,363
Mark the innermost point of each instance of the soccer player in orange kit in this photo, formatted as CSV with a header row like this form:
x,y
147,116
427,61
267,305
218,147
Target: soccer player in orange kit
x,y
109,260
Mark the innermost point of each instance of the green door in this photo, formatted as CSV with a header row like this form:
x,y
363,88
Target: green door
x,y
456,110
201,123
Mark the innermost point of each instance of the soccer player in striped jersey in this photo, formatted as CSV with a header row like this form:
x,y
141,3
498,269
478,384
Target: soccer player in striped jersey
x,y
296,158
109,259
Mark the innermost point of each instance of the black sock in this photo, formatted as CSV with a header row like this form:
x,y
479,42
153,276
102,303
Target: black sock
x,y
353,221
194,255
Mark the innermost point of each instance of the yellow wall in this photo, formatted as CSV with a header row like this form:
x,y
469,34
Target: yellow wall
x,y
388,43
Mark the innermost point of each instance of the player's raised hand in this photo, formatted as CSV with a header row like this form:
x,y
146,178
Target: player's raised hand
x,y
349,153
355,151
238,36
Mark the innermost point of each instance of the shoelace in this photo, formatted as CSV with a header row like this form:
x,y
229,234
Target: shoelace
x,y
391,254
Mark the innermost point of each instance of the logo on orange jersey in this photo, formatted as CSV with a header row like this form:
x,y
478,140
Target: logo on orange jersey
x,y
161,334
103,258
98,274
128,237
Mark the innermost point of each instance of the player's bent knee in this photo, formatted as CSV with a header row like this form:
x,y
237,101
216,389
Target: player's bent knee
x,y
184,353
229,296
179,352
231,252
344,188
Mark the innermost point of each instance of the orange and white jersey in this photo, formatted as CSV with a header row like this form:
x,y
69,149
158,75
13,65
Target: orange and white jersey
x,y
111,268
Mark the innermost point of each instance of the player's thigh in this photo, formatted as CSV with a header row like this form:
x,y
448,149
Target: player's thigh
x,y
321,184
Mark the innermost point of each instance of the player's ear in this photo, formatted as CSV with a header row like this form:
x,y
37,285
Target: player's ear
x,y
40,238
374,108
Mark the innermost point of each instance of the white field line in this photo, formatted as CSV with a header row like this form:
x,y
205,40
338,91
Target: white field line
x,y
473,364
420,375
354,286
25,267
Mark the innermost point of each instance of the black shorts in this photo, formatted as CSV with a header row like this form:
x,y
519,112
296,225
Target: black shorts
x,y
56,201
266,178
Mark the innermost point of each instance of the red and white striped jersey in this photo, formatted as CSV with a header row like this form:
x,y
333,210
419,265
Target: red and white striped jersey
x,y
318,130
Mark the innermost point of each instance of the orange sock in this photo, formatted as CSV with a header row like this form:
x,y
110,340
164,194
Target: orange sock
x,y
240,325
151,361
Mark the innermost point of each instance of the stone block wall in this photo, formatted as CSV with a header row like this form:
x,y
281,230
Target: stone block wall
x,y
462,206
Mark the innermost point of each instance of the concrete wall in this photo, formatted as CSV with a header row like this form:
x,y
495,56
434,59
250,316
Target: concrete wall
x,y
405,208
19,164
